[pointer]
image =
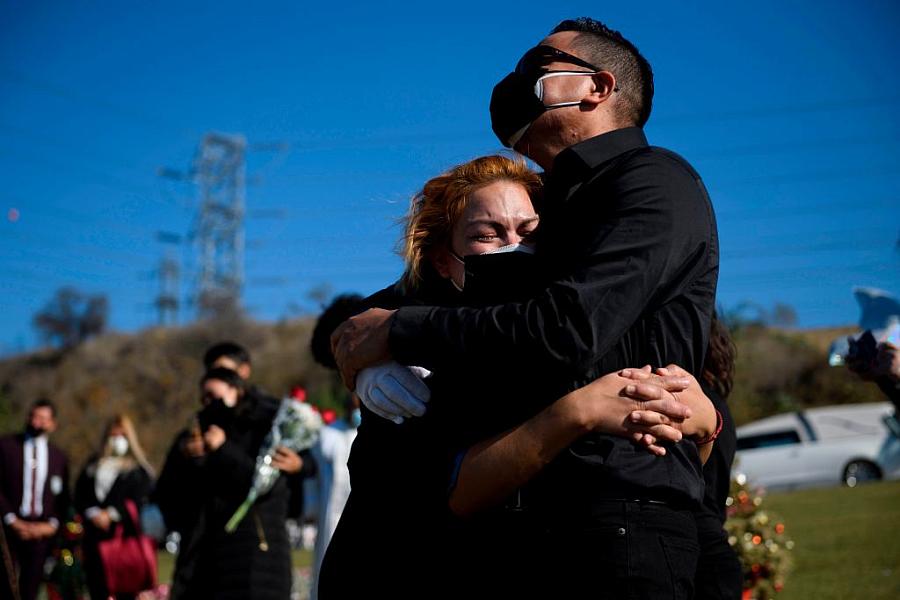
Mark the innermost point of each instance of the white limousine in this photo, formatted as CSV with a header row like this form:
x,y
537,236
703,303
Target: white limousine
x,y
832,445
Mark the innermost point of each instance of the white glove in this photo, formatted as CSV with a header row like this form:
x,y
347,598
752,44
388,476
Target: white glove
x,y
393,391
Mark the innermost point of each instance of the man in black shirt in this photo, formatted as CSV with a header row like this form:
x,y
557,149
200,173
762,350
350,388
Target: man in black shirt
x,y
628,242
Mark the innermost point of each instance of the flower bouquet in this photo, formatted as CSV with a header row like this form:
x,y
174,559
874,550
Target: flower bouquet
x,y
296,427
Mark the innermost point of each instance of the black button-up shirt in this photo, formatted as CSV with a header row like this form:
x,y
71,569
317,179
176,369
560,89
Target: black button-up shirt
x,y
628,243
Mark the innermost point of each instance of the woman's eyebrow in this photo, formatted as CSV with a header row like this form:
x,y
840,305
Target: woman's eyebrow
x,y
498,224
483,222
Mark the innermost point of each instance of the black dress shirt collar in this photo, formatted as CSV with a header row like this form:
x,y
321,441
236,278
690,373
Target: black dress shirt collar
x,y
581,158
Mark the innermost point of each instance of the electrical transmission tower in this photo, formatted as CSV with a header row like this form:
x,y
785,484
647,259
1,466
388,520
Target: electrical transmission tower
x,y
168,273
220,173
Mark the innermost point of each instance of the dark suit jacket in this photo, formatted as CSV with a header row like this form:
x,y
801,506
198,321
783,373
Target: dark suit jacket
x,y
55,501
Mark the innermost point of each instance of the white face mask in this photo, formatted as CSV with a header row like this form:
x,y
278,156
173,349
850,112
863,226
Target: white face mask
x,y
118,445
527,249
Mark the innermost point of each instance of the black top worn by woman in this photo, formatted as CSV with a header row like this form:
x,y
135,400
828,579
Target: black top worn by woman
x,y
132,483
386,542
719,575
396,535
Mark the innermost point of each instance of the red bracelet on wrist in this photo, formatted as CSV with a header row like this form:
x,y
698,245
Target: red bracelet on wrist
x,y
712,437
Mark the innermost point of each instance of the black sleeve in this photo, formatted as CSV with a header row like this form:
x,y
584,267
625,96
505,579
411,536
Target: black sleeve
x,y
179,492
85,496
659,227
135,487
231,470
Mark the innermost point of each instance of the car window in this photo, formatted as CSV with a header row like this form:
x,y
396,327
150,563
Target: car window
x,y
768,440
893,424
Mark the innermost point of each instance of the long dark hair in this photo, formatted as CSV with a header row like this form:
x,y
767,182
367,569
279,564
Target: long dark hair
x,y
718,368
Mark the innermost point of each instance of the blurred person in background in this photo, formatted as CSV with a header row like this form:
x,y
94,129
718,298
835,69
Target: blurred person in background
x,y
177,495
117,474
879,364
8,587
229,355
253,562
335,440
34,494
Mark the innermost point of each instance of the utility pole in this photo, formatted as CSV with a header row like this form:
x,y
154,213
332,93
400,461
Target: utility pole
x,y
219,171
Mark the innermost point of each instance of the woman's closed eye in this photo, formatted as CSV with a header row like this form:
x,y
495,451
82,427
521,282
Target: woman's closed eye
x,y
484,236
528,235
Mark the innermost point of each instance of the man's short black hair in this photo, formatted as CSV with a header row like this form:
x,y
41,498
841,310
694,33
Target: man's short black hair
x,y
44,403
226,375
341,308
231,350
609,50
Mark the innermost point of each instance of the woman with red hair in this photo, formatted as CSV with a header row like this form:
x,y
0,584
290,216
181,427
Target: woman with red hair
x,y
466,241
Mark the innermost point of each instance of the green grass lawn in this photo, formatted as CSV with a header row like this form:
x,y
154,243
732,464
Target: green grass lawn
x,y
847,541
301,558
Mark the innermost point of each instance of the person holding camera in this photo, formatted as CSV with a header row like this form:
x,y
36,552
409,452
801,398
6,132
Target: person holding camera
x,y
879,364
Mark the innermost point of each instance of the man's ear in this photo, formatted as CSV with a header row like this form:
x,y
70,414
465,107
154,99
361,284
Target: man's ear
x,y
440,260
604,86
244,370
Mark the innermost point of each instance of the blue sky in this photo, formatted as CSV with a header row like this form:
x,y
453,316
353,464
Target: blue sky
x,y
789,110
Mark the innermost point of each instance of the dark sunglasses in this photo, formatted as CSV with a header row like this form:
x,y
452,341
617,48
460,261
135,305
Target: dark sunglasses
x,y
542,55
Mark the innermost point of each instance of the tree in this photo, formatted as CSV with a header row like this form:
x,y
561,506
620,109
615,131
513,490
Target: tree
x,y
320,294
71,317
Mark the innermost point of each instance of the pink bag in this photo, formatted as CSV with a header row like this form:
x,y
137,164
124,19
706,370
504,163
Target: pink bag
x,y
129,561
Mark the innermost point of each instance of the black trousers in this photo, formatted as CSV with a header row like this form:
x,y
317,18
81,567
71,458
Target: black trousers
x,y
719,572
623,550
29,557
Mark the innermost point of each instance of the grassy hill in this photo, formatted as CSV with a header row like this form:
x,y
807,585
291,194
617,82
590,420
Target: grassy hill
x,y
784,370
152,375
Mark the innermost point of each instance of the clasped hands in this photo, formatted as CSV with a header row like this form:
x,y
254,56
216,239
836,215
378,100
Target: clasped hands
x,y
285,459
649,407
32,530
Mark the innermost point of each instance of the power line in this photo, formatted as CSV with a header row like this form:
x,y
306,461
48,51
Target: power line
x,y
785,109
811,176
112,181
781,212
774,147
417,138
66,93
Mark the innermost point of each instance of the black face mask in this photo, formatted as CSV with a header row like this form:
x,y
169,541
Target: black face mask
x,y
514,107
514,104
34,431
500,278
216,413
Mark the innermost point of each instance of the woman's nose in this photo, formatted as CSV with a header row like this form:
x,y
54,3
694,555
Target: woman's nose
x,y
512,237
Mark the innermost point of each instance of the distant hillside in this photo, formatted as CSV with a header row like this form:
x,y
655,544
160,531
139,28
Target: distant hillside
x,y
783,370
152,375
